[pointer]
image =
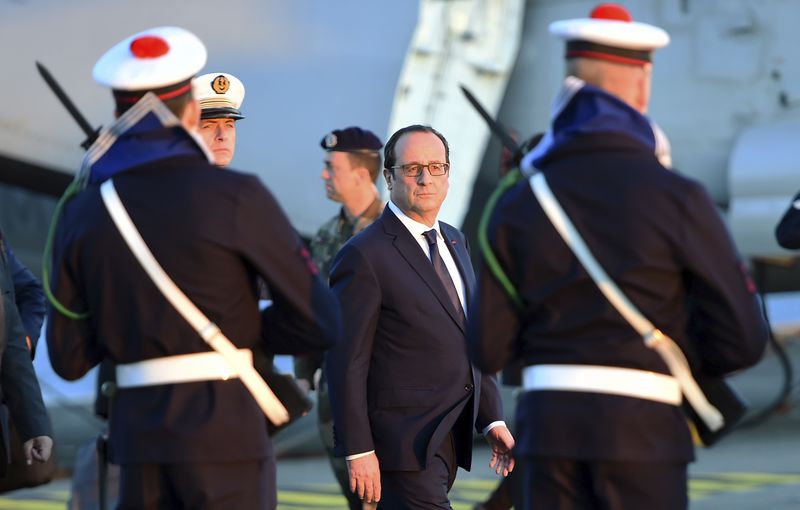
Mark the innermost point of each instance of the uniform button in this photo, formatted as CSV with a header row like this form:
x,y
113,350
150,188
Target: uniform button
x,y
469,387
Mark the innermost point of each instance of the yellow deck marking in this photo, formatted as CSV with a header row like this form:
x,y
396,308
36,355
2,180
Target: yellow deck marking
x,y
709,484
464,494
477,484
761,478
31,504
310,496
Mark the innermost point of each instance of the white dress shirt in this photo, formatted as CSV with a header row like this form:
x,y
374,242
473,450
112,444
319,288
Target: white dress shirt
x,y
417,231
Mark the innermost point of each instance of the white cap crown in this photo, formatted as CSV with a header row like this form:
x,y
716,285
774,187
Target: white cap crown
x,y
150,60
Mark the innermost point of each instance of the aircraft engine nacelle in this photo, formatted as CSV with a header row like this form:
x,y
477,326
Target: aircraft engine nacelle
x,y
763,177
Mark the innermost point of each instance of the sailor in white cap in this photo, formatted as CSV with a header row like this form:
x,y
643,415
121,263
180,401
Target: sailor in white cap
x,y
220,96
610,39
600,423
185,430
161,60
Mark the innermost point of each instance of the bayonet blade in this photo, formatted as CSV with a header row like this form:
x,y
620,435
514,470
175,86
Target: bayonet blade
x,y
91,133
496,128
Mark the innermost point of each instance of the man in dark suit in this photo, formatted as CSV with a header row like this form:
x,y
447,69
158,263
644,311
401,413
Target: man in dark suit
x,y
600,424
405,397
184,429
19,387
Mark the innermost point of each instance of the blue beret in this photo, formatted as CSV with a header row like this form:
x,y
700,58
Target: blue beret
x,y
352,139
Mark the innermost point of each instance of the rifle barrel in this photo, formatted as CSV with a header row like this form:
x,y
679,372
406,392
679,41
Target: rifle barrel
x,y
87,128
495,126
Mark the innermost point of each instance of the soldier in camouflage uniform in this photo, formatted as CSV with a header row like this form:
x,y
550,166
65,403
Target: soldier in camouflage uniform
x,y
352,164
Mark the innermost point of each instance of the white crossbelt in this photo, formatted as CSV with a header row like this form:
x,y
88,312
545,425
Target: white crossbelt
x,y
627,382
653,338
198,366
266,399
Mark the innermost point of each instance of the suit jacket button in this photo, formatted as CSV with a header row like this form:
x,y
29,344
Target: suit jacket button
x,y
469,387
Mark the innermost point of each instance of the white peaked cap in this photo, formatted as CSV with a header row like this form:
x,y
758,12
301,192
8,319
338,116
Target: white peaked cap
x,y
220,95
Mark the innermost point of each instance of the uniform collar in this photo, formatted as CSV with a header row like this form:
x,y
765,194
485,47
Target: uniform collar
x,y
372,211
147,132
581,109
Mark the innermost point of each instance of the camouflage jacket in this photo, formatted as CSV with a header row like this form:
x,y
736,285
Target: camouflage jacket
x,y
338,230
324,245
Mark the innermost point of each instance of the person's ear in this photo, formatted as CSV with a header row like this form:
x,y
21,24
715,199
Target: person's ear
x,y
387,175
362,174
191,116
643,82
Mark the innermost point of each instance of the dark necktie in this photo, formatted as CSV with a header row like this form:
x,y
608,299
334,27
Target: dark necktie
x,y
443,273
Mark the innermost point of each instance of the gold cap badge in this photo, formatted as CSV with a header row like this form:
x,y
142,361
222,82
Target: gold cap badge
x,y
220,85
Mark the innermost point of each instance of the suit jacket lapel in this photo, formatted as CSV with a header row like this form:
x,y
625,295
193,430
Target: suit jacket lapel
x,y
458,250
409,249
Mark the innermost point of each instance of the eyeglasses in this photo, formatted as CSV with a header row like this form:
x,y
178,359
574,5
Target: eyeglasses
x,y
415,169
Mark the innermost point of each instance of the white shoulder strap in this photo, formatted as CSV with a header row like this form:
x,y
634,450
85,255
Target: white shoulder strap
x,y
666,347
213,336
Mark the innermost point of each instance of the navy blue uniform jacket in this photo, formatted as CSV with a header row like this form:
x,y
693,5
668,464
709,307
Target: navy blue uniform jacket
x,y
213,232
660,238
401,379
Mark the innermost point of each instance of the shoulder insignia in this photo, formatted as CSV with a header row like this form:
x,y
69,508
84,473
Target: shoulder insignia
x,y
306,256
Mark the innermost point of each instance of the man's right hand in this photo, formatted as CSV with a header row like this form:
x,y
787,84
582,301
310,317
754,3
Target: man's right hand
x,y
365,477
38,448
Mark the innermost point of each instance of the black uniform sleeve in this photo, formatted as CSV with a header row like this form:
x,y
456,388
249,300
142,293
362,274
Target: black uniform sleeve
x,y
305,366
71,343
726,325
305,314
788,230
493,320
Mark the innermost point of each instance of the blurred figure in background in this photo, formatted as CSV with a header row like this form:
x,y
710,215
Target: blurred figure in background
x,y
220,96
352,165
19,387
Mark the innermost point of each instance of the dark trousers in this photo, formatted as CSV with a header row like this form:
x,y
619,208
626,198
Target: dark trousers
x,y
338,464
198,486
559,484
509,493
421,490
